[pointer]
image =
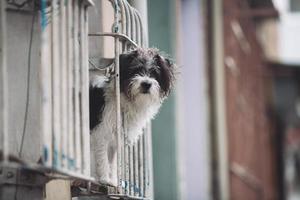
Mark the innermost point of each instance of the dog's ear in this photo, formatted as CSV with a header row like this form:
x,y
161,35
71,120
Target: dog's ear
x,y
167,73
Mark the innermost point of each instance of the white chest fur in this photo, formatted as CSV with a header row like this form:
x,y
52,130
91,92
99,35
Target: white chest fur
x,y
135,115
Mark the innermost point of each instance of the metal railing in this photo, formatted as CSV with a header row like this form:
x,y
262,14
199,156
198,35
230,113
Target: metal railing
x,y
64,76
133,159
64,82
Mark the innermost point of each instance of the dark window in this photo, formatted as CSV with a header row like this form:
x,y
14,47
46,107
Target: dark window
x,y
295,5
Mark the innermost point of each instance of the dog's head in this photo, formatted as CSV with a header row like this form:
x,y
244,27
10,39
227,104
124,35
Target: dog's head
x,y
144,73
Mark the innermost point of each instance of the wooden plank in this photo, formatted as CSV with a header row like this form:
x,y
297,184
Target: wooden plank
x,y
58,190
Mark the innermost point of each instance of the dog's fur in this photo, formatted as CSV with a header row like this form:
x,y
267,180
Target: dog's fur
x,y
146,79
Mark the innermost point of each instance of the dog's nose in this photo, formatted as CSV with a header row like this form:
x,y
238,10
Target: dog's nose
x,y
145,86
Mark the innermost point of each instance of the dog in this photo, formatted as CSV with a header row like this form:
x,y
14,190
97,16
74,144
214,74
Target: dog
x,y
146,79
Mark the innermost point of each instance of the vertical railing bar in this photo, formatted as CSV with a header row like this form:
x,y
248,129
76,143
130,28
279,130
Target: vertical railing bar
x,y
46,85
133,32
86,95
63,80
77,89
135,153
56,85
126,153
125,175
131,171
145,165
142,31
137,28
133,168
139,142
123,22
128,21
124,132
3,62
117,93
71,149
141,165
148,142
80,85
131,153
136,163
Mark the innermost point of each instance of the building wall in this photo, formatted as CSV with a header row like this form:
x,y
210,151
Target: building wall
x,y
251,140
161,17
19,25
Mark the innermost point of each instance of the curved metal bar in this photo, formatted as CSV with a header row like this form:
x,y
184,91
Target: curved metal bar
x,y
116,35
128,23
123,23
123,17
133,33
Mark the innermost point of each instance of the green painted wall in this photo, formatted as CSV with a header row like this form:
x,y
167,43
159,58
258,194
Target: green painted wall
x,y
162,35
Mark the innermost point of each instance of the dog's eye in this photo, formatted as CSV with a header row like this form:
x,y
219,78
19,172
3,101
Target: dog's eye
x,y
154,72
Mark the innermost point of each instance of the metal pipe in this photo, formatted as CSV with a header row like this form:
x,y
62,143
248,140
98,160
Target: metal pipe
x,y
219,95
117,91
116,35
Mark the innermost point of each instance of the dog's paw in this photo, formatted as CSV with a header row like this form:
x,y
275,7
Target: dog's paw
x,y
107,181
114,181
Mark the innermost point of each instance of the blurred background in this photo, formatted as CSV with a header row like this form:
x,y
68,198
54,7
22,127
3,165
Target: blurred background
x,y
231,130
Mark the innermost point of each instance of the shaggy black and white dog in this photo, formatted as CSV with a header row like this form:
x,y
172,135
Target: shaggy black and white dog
x,y
146,78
